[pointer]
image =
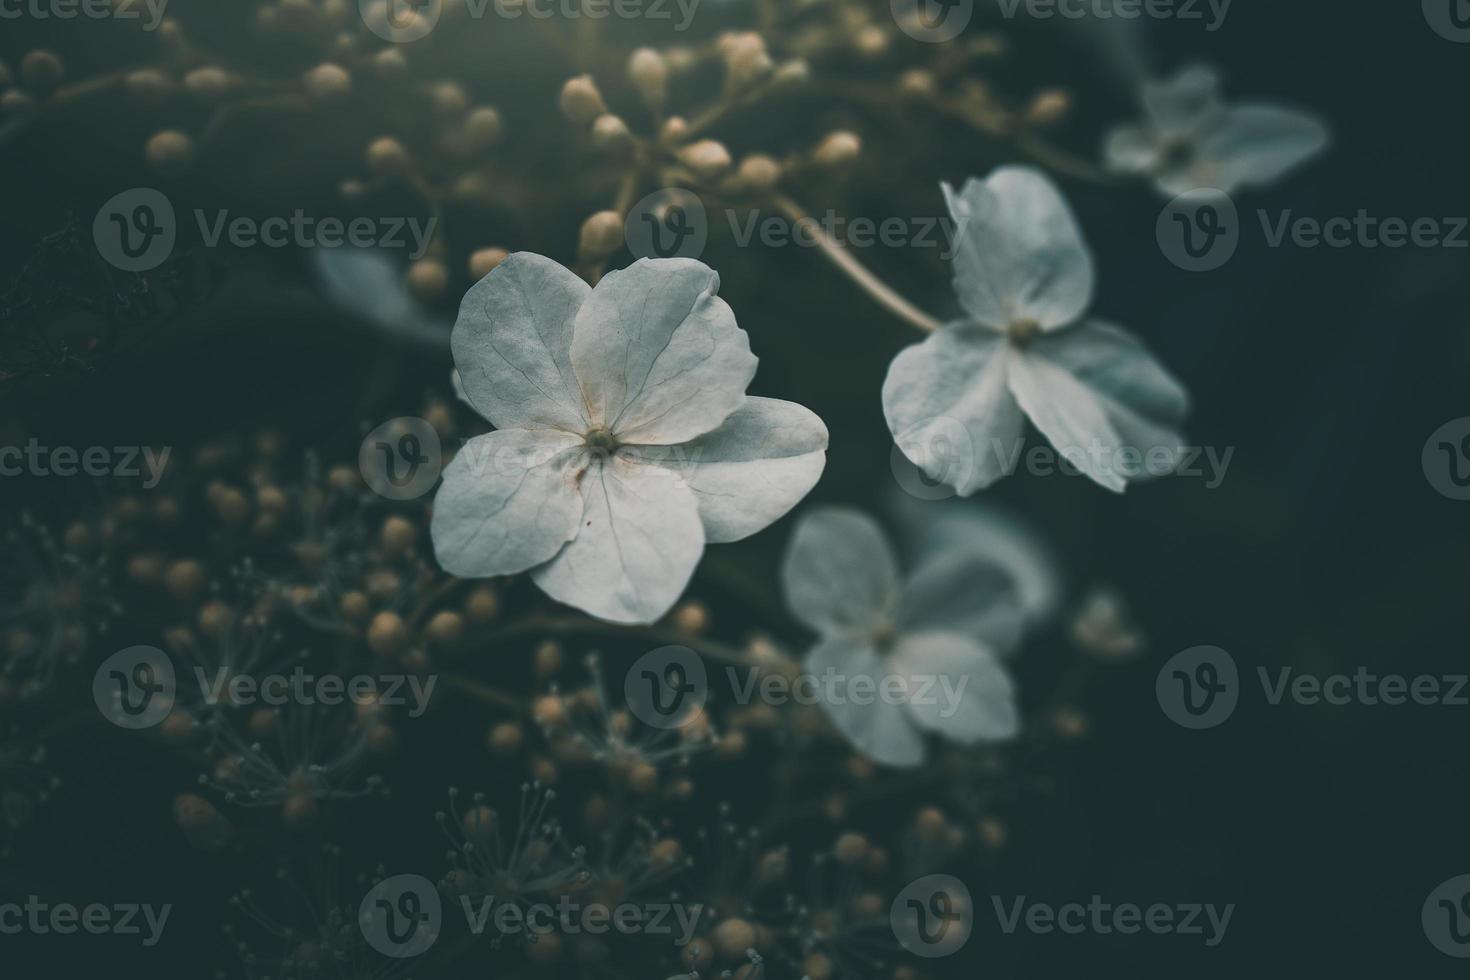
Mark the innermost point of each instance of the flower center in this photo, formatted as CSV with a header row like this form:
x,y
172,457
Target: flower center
x,y
600,442
1022,332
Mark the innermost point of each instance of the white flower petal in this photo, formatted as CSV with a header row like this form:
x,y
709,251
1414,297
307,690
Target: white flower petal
x,y
1181,106
1070,415
750,471
508,502
880,730
659,355
1254,145
638,540
937,527
1144,402
1019,254
958,373
839,573
937,664
962,591
1132,149
512,344
369,283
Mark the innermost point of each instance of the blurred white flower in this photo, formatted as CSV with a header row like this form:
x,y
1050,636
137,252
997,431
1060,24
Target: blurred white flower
x,y
930,528
1190,139
624,438
1025,278
942,629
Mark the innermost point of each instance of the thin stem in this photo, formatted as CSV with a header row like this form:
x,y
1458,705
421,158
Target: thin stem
x,y
855,270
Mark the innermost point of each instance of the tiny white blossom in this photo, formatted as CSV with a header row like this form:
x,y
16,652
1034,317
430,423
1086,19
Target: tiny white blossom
x,y
937,636
1190,139
624,439
1027,350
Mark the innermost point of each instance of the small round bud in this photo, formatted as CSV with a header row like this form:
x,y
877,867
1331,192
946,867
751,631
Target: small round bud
x,y
397,535
674,131
649,74
206,828
481,605
390,63
837,150
229,504
208,83
387,634
387,157
793,72
78,539
484,260
446,628
601,235
746,59
580,100
697,954
642,778
169,152
355,607
481,129
707,158
691,617
427,279
758,173
42,70
610,134
918,83
185,579
145,568
449,98
547,659
733,937
870,41
816,966
852,849
505,739
549,711
148,83
328,83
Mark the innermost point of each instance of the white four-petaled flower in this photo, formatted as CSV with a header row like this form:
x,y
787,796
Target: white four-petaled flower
x,y
1190,139
624,440
937,637
1027,350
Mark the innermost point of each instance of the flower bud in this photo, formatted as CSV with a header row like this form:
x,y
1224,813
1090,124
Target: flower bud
x,y
390,63
793,72
707,158
387,157
580,100
870,41
449,98
674,130
483,262
610,134
446,628
427,279
387,634
208,83
397,535
918,83
758,173
185,579
169,152
42,70
601,235
148,83
1049,107
837,150
746,59
481,129
732,937
328,83
649,74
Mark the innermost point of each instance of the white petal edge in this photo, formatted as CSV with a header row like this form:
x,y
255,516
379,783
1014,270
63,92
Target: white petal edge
x,y
762,460
984,709
638,540
659,355
962,591
512,344
880,730
1070,415
509,501
839,574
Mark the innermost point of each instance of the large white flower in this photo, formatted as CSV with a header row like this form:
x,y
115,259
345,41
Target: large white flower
x,y
935,638
1024,277
1190,139
624,438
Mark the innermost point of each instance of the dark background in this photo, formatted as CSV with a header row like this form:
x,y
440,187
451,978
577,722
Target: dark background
x,y
1324,549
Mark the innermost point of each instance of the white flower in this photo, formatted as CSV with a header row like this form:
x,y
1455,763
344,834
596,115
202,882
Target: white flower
x,y
1190,139
624,439
1024,277
937,637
